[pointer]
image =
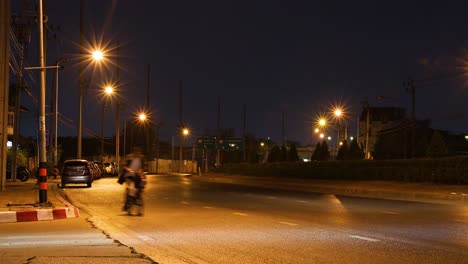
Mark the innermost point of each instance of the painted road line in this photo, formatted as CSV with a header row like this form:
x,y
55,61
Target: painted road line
x,y
242,214
365,238
389,212
461,221
184,202
146,238
207,207
301,201
288,223
272,197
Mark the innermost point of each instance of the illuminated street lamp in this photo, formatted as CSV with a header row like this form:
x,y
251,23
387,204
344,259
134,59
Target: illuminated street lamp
x,y
184,131
96,56
322,122
338,114
108,91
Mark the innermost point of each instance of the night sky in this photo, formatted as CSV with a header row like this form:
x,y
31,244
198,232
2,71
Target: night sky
x,y
296,57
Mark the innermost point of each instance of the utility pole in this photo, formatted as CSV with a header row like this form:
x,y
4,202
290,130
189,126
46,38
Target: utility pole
x,y
282,128
80,88
102,130
147,126
411,88
117,114
365,106
244,130
42,123
180,126
218,152
5,8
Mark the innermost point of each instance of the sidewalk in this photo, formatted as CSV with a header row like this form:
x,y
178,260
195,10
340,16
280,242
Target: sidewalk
x,y
20,203
405,191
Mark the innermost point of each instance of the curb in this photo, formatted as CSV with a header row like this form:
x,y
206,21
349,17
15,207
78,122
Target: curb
x,y
42,214
38,215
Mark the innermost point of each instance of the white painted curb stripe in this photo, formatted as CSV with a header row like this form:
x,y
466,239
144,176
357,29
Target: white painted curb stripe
x,y
45,214
8,217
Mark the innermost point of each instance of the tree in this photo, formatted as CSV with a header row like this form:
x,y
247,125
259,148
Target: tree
x,y
324,154
275,154
437,146
284,153
343,152
292,154
316,153
355,152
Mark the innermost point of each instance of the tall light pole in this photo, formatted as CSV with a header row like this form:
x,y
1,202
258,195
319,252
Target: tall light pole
x,y
338,114
80,87
108,90
183,133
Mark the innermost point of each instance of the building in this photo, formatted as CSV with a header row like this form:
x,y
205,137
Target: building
x,y
379,118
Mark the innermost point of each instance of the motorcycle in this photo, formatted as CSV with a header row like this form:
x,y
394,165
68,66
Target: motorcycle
x,y
22,174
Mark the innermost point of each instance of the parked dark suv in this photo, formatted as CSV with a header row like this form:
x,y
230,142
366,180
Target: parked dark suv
x,y
77,171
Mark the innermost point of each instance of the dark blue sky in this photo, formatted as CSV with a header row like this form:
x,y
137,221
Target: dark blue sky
x,y
293,56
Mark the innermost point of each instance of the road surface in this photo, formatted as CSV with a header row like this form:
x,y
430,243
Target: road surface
x,y
190,221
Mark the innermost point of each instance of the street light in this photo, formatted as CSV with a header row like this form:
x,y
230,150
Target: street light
x,y
184,131
108,90
264,145
96,56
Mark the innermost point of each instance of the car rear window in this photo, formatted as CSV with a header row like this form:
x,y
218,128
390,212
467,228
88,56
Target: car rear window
x,y
75,163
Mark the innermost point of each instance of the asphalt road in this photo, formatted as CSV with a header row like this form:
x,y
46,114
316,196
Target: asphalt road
x,y
190,221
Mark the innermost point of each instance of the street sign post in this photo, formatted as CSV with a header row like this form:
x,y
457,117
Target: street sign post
x,y
206,143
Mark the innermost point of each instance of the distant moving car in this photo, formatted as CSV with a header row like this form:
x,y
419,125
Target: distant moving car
x,y
77,171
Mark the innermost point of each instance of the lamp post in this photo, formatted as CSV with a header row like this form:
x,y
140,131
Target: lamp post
x,y
108,90
338,113
184,133
96,56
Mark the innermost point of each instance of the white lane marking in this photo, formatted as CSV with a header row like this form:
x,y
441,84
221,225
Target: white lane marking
x,y
184,202
365,238
301,201
165,198
248,194
146,238
207,207
287,223
389,212
462,221
242,214
271,197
